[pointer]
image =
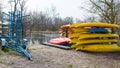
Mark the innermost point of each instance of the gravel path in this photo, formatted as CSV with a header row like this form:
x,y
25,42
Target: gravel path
x,y
50,57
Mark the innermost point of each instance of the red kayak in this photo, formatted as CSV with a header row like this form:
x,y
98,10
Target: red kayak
x,y
65,26
60,41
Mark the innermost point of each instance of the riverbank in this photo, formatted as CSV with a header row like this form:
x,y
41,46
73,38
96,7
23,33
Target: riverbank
x,y
43,32
50,57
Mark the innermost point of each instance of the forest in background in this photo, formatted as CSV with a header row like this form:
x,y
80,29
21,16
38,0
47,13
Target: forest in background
x,y
50,20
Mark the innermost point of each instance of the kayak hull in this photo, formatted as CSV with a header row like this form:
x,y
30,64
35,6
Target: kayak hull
x,y
94,24
60,41
100,48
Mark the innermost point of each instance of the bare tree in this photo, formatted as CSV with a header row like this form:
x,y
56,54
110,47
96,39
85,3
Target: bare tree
x,y
48,20
1,11
24,21
90,19
19,5
108,10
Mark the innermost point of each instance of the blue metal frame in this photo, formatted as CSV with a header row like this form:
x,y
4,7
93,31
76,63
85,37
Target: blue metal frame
x,y
14,38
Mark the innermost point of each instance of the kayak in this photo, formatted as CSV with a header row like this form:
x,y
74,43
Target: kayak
x,y
95,24
94,37
65,26
98,30
86,36
80,30
60,41
74,41
95,41
100,48
75,35
91,30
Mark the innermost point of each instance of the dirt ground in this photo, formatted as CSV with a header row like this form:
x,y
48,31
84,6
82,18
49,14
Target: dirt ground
x,y
51,57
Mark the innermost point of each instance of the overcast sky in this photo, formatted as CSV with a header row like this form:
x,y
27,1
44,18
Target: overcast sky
x,y
63,7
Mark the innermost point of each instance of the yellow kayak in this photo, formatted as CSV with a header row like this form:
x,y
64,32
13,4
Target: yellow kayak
x,y
84,30
93,41
86,36
95,24
76,35
74,46
78,30
100,48
74,41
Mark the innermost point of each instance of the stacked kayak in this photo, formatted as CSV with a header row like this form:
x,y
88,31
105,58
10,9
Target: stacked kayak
x,y
94,37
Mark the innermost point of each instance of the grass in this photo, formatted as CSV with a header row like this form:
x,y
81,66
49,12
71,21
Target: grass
x,y
70,66
6,50
33,48
1,51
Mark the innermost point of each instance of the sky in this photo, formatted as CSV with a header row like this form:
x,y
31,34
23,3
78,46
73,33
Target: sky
x,y
65,8
70,8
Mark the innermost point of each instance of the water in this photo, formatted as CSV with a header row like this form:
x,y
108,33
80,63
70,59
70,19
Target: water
x,y
41,38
